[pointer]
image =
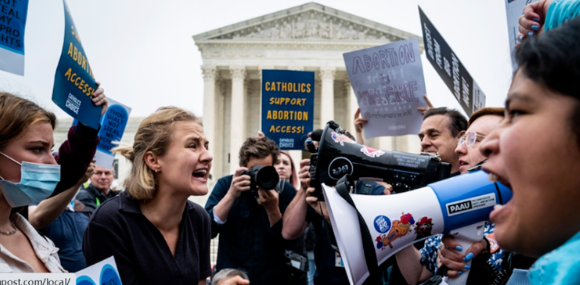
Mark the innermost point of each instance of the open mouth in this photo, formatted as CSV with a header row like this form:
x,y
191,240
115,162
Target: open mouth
x,y
200,174
496,178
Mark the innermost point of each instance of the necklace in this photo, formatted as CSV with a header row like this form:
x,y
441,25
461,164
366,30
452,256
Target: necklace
x,y
12,231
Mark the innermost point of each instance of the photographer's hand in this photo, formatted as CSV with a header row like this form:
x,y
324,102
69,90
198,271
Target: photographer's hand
x,y
318,206
240,183
269,199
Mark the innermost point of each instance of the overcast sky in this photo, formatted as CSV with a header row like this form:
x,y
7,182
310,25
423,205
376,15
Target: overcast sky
x,y
144,54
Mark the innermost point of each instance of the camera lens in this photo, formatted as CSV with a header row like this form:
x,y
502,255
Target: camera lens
x,y
267,178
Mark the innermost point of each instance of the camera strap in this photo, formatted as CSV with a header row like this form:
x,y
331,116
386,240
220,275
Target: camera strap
x,y
342,187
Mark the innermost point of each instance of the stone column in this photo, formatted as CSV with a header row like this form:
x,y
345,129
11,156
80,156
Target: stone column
x,y
327,95
238,118
209,106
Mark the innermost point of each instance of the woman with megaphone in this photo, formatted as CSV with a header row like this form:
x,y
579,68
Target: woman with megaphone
x,y
418,266
536,151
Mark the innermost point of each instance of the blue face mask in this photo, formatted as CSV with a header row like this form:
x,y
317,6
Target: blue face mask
x,y
37,182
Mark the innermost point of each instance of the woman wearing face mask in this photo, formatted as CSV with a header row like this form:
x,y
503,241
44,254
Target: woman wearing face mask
x,y
25,151
536,152
29,173
285,168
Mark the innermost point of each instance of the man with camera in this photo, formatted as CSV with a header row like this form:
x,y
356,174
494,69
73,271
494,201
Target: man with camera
x,y
246,210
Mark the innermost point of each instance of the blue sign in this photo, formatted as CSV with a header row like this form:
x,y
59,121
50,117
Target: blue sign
x,y
110,276
287,106
113,127
74,82
12,25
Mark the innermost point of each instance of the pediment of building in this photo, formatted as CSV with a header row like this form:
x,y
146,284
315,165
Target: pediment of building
x,y
310,22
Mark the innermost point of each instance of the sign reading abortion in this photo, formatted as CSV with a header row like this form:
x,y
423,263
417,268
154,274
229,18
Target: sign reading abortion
x,y
287,106
113,126
12,24
389,86
450,69
104,272
74,82
514,9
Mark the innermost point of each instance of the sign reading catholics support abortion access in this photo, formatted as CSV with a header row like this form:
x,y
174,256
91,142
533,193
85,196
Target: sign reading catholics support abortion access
x,y
12,25
389,86
74,82
287,106
450,68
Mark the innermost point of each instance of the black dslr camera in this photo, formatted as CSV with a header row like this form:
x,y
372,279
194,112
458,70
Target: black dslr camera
x,y
266,177
338,154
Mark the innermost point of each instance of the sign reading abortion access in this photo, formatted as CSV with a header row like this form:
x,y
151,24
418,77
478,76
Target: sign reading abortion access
x,y
104,272
389,86
450,69
287,106
74,82
12,24
113,126
514,9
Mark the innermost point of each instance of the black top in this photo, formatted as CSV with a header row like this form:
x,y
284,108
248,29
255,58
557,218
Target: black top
x,y
119,228
246,240
93,197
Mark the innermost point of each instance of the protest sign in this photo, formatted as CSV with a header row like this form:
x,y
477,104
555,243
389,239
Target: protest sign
x,y
74,82
514,9
113,126
450,68
12,25
287,106
104,272
389,86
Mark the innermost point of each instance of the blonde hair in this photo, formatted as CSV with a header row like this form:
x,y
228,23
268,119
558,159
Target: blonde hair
x,y
17,114
154,134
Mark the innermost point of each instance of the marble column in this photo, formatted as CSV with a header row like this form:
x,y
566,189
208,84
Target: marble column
x,y
209,106
238,116
327,95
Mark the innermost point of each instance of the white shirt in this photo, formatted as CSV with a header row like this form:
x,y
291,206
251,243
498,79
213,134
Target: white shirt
x,y
44,248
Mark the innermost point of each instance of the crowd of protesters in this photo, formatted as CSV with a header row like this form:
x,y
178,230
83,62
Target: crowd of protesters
x,y
51,222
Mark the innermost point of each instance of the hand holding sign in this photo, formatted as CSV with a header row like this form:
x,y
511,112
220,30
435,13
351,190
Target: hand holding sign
x,y
424,110
533,18
99,98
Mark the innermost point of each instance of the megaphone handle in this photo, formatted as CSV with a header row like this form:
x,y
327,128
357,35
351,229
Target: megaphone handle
x,y
466,236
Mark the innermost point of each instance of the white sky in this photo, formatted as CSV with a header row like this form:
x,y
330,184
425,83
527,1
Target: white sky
x,y
144,54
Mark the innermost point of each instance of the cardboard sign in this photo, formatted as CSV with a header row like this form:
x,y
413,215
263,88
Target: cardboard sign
x,y
113,125
287,106
104,272
389,86
450,68
514,9
12,25
74,82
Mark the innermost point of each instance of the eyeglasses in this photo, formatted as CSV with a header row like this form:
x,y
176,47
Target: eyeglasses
x,y
470,138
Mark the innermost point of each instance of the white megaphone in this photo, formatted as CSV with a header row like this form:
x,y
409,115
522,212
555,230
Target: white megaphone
x,y
371,229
